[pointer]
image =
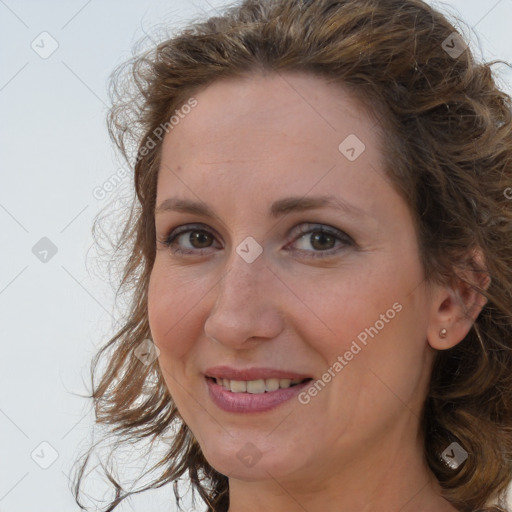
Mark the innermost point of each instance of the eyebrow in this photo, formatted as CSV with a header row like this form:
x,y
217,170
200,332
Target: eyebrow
x,y
277,209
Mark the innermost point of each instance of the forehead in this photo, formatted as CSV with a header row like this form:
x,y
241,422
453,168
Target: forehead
x,y
250,143
274,121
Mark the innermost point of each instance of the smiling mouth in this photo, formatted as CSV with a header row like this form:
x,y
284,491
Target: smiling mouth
x,y
257,386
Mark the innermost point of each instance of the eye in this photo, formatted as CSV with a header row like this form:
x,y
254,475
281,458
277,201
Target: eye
x,y
189,239
325,240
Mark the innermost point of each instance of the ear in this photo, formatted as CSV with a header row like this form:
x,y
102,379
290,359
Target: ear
x,y
456,306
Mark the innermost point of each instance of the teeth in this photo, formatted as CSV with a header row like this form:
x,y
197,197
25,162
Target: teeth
x,y
284,383
271,384
256,386
238,386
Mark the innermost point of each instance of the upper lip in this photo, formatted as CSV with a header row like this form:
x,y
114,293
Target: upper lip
x,y
226,372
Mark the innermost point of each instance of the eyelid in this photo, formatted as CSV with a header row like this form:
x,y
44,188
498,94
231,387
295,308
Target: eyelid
x,y
325,228
177,231
307,228
296,233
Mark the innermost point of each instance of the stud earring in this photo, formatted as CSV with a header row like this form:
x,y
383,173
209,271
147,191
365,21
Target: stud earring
x,y
442,333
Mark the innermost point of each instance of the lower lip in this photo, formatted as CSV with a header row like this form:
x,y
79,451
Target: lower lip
x,y
251,402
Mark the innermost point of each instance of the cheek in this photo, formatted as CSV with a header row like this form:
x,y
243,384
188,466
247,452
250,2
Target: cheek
x,y
372,320
172,304
345,304
173,309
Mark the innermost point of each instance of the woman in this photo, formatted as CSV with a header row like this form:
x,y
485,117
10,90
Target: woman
x,y
320,259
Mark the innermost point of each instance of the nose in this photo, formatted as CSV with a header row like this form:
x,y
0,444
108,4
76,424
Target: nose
x,y
246,305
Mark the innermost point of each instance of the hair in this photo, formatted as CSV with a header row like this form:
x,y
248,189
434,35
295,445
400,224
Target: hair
x,y
448,151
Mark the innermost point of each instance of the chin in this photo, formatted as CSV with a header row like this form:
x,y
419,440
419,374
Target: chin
x,y
242,460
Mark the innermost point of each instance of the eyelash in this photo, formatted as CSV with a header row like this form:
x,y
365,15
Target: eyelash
x,y
170,240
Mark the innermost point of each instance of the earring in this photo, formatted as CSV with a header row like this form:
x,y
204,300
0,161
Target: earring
x,y
442,333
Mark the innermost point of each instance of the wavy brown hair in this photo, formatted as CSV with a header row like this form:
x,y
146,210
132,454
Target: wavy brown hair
x,y
448,152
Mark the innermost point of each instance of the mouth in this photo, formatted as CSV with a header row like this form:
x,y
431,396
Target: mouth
x,y
252,390
256,386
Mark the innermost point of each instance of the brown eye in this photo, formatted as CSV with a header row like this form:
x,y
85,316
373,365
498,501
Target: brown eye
x,y
189,240
322,241
200,239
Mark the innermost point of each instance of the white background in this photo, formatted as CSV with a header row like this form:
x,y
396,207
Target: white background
x,y
54,152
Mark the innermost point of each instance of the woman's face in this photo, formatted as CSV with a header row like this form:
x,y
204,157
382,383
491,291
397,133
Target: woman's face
x,y
291,258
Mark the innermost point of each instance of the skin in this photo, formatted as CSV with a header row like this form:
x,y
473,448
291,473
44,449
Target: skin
x,y
249,142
